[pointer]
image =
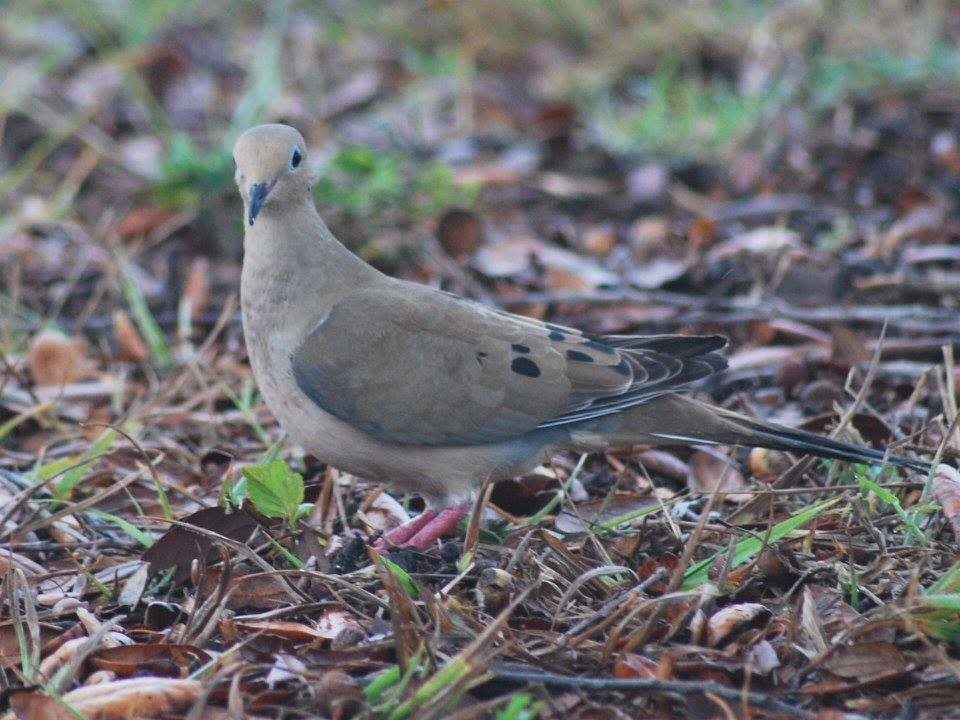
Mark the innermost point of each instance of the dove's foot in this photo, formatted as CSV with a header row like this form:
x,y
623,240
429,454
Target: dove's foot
x,y
402,534
445,521
425,529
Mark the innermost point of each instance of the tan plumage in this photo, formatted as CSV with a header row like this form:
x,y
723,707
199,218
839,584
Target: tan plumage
x,y
399,382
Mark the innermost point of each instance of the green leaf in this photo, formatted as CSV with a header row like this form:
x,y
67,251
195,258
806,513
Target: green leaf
x,y
402,576
868,484
381,683
72,477
129,528
274,489
949,582
745,550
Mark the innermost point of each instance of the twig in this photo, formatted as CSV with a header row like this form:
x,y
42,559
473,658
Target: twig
x,y
510,671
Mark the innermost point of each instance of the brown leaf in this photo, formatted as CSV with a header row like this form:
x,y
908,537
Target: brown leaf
x,y
196,287
333,622
768,464
602,511
34,705
710,472
141,221
55,359
286,629
599,240
701,232
459,232
660,462
179,546
946,490
129,343
168,660
630,666
732,619
147,697
865,660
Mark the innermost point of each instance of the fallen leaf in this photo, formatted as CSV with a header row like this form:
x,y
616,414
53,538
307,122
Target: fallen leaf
x,y
333,622
630,666
180,546
599,240
759,241
732,619
764,658
865,660
946,490
196,287
55,359
658,272
459,232
129,343
513,257
710,472
606,510
166,660
140,221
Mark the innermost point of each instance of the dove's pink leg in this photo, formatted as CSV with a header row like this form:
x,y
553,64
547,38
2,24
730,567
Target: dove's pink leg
x,y
401,534
445,521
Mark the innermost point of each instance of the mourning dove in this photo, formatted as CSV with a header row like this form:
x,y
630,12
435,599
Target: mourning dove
x,y
394,381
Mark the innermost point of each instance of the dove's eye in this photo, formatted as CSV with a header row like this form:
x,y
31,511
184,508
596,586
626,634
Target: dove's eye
x,y
295,157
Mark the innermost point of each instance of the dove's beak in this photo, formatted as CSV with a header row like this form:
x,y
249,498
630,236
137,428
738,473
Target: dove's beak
x,y
256,197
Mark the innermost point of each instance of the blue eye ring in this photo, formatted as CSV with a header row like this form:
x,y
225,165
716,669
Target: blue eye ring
x,y
296,157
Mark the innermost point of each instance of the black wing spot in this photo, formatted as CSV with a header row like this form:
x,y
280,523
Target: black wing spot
x,y
600,347
520,348
578,356
556,332
525,366
623,367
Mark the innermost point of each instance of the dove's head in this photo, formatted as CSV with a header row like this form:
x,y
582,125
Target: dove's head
x,y
271,168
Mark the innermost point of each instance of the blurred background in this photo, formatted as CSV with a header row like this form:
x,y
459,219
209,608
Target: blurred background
x,y
587,145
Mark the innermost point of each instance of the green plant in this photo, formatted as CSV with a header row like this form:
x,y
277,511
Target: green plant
x,y
522,706
361,181
745,550
275,490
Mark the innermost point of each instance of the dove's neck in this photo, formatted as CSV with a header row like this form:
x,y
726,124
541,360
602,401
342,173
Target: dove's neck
x,y
294,269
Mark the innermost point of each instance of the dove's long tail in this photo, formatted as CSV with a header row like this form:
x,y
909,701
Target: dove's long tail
x,y
676,419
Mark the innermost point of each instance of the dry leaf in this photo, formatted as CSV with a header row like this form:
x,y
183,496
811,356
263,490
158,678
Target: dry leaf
x,y
599,240
55,359
196,287
333,622
865,660
130,345
946,490
630,666
724,623
148,697
710,473
168,660
759,241
141,221
459,232
658,272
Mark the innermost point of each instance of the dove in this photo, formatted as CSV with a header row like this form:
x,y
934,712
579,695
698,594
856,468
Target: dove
x,y
397,382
